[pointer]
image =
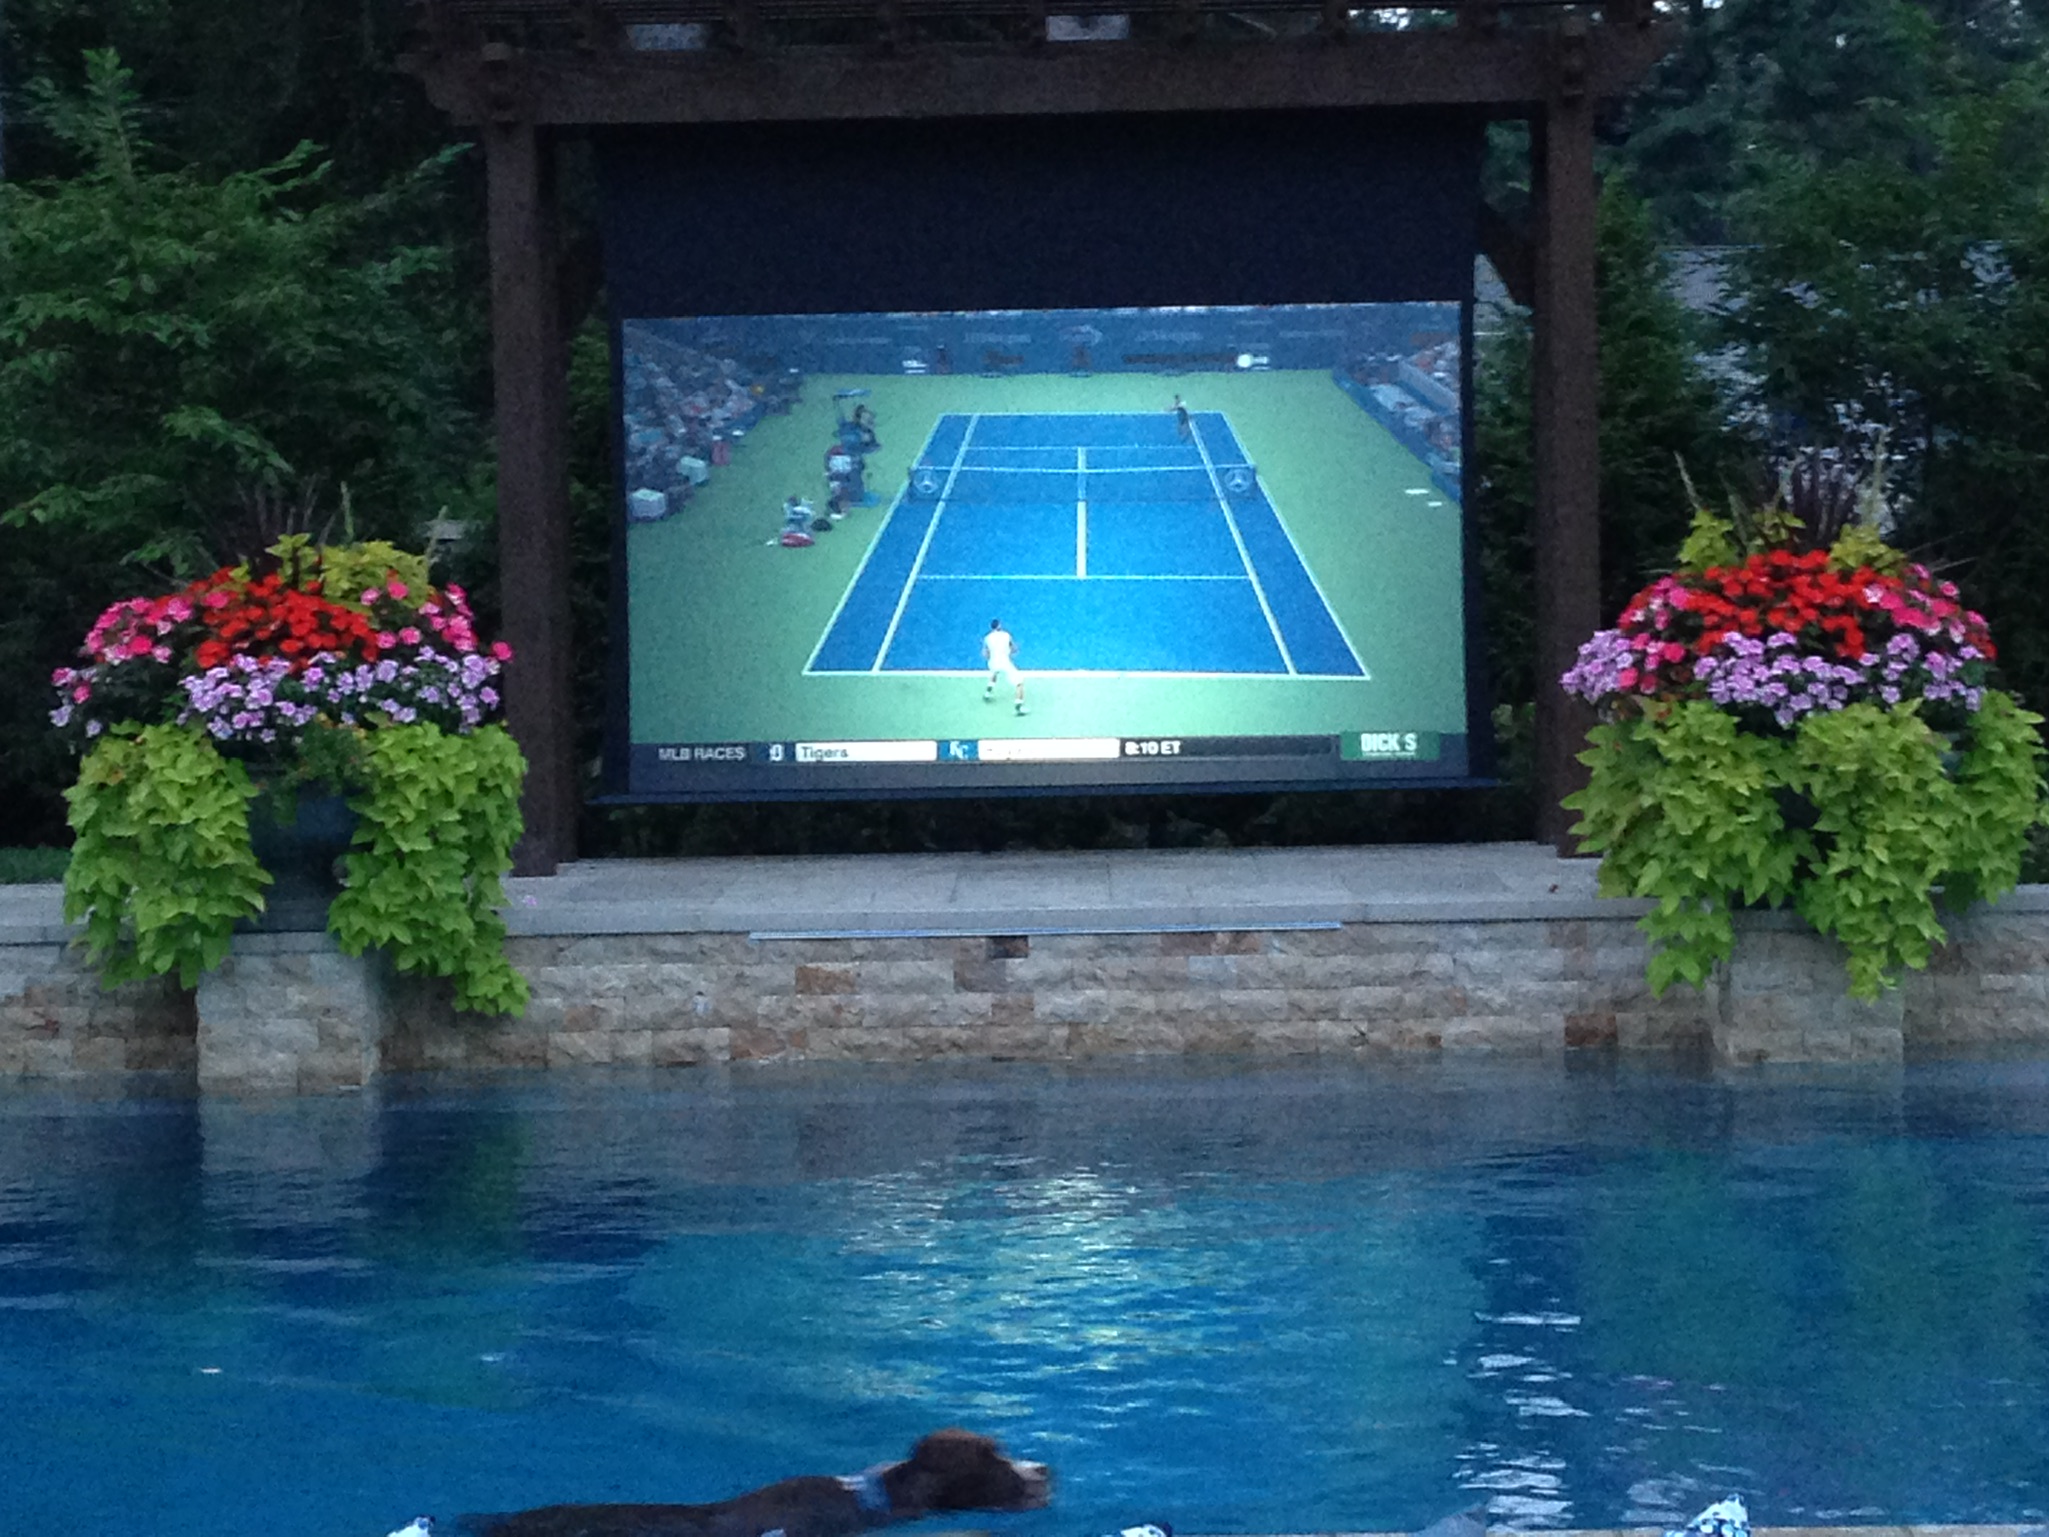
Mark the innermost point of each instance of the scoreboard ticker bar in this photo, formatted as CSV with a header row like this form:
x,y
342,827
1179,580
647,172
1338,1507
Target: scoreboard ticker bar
x,y
1092,749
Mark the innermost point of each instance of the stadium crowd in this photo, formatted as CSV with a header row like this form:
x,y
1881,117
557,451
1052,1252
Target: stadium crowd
x,y
684,409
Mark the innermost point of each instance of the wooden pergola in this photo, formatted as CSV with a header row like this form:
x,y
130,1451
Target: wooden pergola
x,y
522,72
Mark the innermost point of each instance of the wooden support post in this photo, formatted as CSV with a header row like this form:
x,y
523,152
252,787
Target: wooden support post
x,y
529,371
1565,414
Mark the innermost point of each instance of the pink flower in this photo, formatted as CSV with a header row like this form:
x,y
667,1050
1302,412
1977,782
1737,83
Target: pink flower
x,y
409,635
1626,678
386,640
503,652
216,600
180,609
160,653
454,592
137,645
1671,651
395,587
81,694
371,595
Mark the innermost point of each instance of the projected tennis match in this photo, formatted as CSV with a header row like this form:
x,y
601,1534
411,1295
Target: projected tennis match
x,y
983,551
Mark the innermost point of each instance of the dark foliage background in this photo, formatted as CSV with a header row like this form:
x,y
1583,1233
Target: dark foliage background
x,y
1869,178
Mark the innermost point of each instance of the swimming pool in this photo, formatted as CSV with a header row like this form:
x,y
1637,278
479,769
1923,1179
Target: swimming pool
x,y
1243,1298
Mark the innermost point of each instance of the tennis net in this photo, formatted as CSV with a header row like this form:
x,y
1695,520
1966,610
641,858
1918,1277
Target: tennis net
x,y
1011,487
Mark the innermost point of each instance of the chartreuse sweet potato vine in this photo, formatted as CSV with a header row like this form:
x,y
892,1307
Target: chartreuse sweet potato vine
x,y
439,818
1690,811
1801,717
160,865
161,869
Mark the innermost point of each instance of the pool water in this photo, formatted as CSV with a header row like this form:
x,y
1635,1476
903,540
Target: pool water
x,y
1237,1297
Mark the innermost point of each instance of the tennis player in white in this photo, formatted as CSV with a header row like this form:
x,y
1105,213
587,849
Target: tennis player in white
x,y
999,650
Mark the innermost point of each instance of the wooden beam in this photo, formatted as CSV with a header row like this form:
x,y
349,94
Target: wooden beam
x,y
1505,70
1565,378
529,372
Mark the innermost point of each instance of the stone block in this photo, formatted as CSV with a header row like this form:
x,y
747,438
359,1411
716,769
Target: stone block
x,y
289,1013
1528,1032
752,1043
1592,1028
1783,997
1072,1008
814,979
688,1047
905,975
986,976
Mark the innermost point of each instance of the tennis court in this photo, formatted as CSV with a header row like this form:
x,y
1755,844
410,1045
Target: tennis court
x,y
1106,542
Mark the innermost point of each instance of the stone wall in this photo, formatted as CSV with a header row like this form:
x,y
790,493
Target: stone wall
x,y
685,998
1547,974
56,1021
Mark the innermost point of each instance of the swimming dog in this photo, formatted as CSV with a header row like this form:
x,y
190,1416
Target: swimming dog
x,y
947,1470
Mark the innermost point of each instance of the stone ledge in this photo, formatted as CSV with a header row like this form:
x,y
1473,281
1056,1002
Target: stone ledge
x,y
1094,892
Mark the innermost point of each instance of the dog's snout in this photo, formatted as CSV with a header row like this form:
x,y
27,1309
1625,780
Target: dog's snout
x,y
1038,1479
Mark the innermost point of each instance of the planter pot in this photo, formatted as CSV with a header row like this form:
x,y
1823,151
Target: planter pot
x,y
302,857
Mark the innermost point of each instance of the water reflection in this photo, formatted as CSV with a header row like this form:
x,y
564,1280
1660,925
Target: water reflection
x,y
1264,1298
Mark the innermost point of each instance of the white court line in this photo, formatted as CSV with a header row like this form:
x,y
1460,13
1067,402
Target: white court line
x,y
1111,672
896,501
1081,511
1244,555
1310,572
1062,576
1100,469
938,510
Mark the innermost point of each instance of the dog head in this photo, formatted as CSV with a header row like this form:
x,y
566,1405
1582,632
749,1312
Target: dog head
x,y
959,1470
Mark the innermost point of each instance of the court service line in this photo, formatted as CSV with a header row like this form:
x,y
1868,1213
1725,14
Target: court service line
x,y
1062,576
874,542
1244,555
1113,672
938,511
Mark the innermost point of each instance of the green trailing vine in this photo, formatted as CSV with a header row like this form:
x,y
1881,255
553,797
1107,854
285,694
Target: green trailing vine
x,y
1998,778
160,868
440,813
1690,811
1685,807
1883,817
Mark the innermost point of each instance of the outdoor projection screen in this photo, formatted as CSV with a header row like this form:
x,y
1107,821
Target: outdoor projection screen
x,y
1177,408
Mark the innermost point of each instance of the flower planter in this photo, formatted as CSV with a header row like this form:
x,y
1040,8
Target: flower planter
x,y
301,858
338,666
1801,720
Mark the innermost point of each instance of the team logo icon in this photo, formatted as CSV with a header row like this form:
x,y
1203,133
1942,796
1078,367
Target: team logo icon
x,y
925,483
1238,480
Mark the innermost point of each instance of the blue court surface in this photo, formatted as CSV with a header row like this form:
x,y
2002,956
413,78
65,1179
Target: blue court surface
x,y
1105,542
